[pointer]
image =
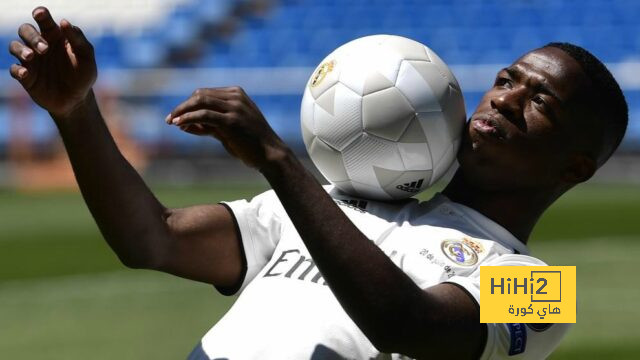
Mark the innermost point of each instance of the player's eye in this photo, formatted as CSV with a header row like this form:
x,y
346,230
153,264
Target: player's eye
x,y
538,100
540,104
504,82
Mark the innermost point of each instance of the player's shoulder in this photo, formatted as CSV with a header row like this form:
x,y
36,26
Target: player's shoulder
x,y
263,205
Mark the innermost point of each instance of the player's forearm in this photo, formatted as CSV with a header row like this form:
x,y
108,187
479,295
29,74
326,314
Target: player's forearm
x,y
129,216
373,291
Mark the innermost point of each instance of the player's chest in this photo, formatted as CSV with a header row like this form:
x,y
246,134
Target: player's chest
x,y
432,259
426,256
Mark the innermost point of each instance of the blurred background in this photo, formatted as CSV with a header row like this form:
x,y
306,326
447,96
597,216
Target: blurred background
x,y
63,294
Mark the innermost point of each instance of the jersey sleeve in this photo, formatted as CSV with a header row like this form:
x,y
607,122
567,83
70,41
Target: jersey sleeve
x,y
513,341
258,223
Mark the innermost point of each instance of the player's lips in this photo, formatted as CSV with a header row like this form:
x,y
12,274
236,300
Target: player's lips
x,y
488,125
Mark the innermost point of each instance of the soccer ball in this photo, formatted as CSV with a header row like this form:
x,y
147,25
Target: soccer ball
x,y
382,117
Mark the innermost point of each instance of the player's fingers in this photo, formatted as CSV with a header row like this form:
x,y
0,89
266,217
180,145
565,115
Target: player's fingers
x,y
201,99
22,74
32,38
196,129
77,40
208,118
20,51
48,27
18,72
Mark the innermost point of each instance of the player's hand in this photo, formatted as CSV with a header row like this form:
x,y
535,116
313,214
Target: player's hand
x,y
230,116
57,65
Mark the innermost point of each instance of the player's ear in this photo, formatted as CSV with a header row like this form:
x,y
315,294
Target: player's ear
x,y
580,168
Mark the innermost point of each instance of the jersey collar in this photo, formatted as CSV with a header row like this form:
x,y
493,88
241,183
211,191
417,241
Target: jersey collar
x,y
490,228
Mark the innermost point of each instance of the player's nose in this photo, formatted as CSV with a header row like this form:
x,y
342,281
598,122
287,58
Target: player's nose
x,y
510,104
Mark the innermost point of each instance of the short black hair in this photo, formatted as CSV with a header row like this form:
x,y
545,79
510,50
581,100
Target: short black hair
x,y
610,106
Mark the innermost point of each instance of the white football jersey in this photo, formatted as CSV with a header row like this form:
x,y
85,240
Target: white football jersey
x,y
286,310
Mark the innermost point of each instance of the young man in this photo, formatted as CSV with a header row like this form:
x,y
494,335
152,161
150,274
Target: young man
x,y
326,276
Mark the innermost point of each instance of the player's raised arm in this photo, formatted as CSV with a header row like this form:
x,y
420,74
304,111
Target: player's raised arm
x,y
58,69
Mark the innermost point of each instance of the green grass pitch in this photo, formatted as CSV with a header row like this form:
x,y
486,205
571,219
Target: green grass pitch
x,y
63,294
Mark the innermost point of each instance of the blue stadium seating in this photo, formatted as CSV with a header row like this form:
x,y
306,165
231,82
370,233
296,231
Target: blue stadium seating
x,y
302,32
459,30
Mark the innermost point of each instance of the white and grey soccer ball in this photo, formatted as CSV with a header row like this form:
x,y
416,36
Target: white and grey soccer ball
x,y
382,117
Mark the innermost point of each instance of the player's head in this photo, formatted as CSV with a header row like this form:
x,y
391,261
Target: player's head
x,y
550,120
607,101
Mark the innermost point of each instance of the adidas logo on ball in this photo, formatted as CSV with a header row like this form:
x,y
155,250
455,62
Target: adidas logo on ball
x,y
412,187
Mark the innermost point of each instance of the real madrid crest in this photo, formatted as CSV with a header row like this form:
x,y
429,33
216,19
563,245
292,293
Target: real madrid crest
x,y
475,245
322,72
460,252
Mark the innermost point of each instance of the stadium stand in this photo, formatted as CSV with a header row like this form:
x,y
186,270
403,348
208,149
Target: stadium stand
x,y
138,39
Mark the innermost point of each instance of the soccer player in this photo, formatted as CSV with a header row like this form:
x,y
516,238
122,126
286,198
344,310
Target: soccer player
x,y
323,275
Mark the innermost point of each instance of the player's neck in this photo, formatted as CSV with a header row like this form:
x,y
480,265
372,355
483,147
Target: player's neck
x,y
518,212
